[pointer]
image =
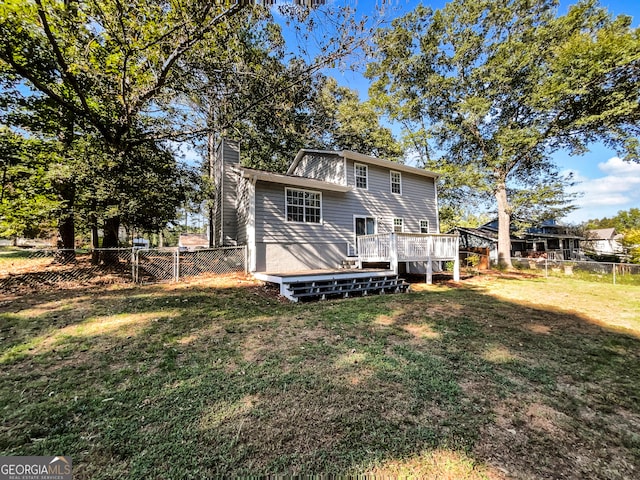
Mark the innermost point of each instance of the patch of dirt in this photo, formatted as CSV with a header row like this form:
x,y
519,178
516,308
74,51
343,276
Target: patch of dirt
x,y
539,328
441,464
420,332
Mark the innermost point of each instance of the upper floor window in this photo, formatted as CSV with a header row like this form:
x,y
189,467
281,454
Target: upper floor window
x,y
303,206
398,225
362,174
424,226
396,182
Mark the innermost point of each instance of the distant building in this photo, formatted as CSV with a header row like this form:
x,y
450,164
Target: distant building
x,y
550,238
603,242
191,241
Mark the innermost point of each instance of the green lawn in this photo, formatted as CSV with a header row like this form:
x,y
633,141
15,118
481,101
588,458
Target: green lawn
x,y
507,377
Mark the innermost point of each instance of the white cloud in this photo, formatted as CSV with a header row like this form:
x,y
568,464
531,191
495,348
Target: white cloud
x,y
618,189
617,166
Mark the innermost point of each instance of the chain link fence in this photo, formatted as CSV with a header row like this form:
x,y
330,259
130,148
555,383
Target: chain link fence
x,y
157,265
33,270
616,273
37,269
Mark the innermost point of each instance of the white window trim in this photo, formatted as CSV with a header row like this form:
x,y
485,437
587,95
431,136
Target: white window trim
x,y
391,173
428,225
365,216
393,224
355,175
286,205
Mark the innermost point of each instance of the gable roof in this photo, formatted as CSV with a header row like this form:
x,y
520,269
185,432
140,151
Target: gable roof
x,y
292,180
359,157
602,234
478,232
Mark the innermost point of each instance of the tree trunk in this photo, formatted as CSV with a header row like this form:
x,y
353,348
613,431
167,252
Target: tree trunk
x,y
504,227
95,241
110,239
66,224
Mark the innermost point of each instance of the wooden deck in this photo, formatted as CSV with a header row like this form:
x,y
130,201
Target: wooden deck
x,y
410,247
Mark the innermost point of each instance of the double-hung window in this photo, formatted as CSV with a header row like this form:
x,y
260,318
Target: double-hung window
x,y
398,225
396,182
303,206
424,226
361,174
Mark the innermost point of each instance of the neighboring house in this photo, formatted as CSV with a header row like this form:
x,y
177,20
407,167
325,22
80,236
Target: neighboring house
x,y
603,242
554,239
191,241
550,238
477,240
330,206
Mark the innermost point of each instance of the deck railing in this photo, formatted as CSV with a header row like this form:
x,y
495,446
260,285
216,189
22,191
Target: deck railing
x,y
409,247
420,246
374,248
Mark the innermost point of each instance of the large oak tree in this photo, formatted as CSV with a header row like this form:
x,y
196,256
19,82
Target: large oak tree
x,y
491,88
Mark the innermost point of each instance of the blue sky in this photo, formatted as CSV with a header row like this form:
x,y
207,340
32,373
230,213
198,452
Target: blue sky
x,y
607,185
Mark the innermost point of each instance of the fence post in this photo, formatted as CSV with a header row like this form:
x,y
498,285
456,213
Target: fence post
x,y
613,267
176,266
133,264
546,267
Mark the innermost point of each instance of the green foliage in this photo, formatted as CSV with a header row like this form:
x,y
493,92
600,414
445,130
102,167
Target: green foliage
x,y
107,63
631,241
275,103
489,90
623,221
342,122
106,84
27,199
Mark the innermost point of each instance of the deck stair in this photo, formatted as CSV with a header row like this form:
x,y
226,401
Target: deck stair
x,y
349,264
343,287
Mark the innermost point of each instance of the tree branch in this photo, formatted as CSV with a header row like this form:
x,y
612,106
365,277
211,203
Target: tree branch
x,y
66,73
177,53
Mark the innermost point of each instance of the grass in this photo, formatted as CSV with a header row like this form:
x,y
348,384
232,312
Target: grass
x,y
500,377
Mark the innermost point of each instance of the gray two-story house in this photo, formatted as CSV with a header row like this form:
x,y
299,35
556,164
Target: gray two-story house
x,y
328,207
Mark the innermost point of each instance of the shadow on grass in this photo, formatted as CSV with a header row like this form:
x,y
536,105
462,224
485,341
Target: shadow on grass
x,y
146,383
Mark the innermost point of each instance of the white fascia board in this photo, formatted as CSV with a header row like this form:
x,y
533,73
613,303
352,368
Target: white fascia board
x,y
309,183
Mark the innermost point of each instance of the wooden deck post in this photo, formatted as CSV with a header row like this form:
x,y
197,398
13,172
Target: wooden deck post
x,y
429,271
456,262
393,252
456,268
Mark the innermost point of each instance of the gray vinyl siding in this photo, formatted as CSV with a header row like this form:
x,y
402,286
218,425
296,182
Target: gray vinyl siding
x,y
243,210
272,226
227,155
416,203
218,169
328,168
